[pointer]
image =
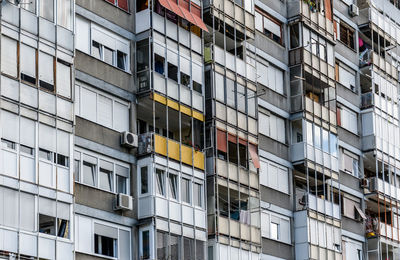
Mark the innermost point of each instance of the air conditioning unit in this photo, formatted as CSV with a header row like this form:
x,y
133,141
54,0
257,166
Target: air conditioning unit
x,y
364,183
353,10
129,139
123,202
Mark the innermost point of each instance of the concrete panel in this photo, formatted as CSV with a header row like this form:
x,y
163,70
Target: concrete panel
x,y
274,98
103,71
348,95
349,138
279,149
277,249
350,181
353,226
275,197
278,6
269,46
111,13
98,134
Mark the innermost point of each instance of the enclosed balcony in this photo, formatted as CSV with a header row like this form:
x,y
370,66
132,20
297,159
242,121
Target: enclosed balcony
x,y
170,129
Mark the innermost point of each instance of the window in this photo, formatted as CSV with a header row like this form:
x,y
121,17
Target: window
x,y
28,64
346,35
144,180
89,170
348,120
9,56
105,176
54,217
63,78
197,194
160,178
146,244
270,76
317,137
333,144
350,163
174,247
106,110
162,245
274,176
275,226
122,176
102,44
104,245
123,4
173,186
185,190
230,93
272,126
46,74
172,71
47,9
64,13
294,35
29,6
269,26
346,76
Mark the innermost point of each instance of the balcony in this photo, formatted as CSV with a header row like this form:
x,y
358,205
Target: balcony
x,y
317,204
310,13
304,151
378,185
150,142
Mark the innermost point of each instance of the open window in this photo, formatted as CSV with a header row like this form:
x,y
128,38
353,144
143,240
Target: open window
x,y
197,195
144,180
173,186
89,170
105,240
185,190
160,179
28,64
106,175
122,176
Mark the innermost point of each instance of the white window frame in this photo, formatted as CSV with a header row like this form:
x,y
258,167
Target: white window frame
x,y
100,157
272,126
79,103
269,223
265,176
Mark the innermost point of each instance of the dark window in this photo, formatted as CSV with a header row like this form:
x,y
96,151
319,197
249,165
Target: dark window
x,y
44,154
142,5
63,228
159,64
104,245
61,160
232,150
46,86
47,225
346,35
26,149
146,244
144,180
121,60
172,72
27,78
243,155
7,144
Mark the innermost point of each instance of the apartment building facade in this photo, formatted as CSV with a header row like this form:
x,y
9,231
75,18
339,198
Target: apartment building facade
x,y
257,129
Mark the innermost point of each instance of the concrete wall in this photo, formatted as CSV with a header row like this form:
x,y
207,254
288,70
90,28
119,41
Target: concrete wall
x,y
103,71
275,197
279,149
350,181
353,226
349,138
112,13
277,249
99,134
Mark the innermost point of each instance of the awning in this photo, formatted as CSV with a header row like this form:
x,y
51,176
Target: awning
x,y
254,155
183,13
221,141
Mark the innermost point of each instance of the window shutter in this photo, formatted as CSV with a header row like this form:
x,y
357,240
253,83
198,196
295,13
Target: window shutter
x,y
47,207
88,109
63,210
121,117
123,4
184,65
197,74
46,67
106,231
10,125
221,141
104,113
63,80
47,137
259,22
338,117
272,26
27,136
28,60
63,143
9,56
82,35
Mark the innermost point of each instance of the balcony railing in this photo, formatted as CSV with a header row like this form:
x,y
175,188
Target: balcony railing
x,y
301,151
320,205
378,185
150,142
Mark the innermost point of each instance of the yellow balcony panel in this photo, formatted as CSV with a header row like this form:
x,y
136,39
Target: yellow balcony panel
x,y
160,145
173,150
160,99
173,104
186,110
198,115
186,154
198,160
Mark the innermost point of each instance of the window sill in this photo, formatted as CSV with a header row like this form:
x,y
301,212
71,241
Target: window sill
x,y
279,241
97,188
100,124
348,47
108,64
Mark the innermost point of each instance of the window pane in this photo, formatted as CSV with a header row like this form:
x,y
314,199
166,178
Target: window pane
x,y
185,185
219,87
104,245
309,133
47,9
76,169
230,93
172,186
105,179
274,231
199,250
96,50
29,5
161,246
121,60
108,55
64,79
64,13
144,180
325,141
317,136
28,63
174,247
241,98
121,184
333,144
146,244
197,195
88,173
160,182
63,228
47,224
188,248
